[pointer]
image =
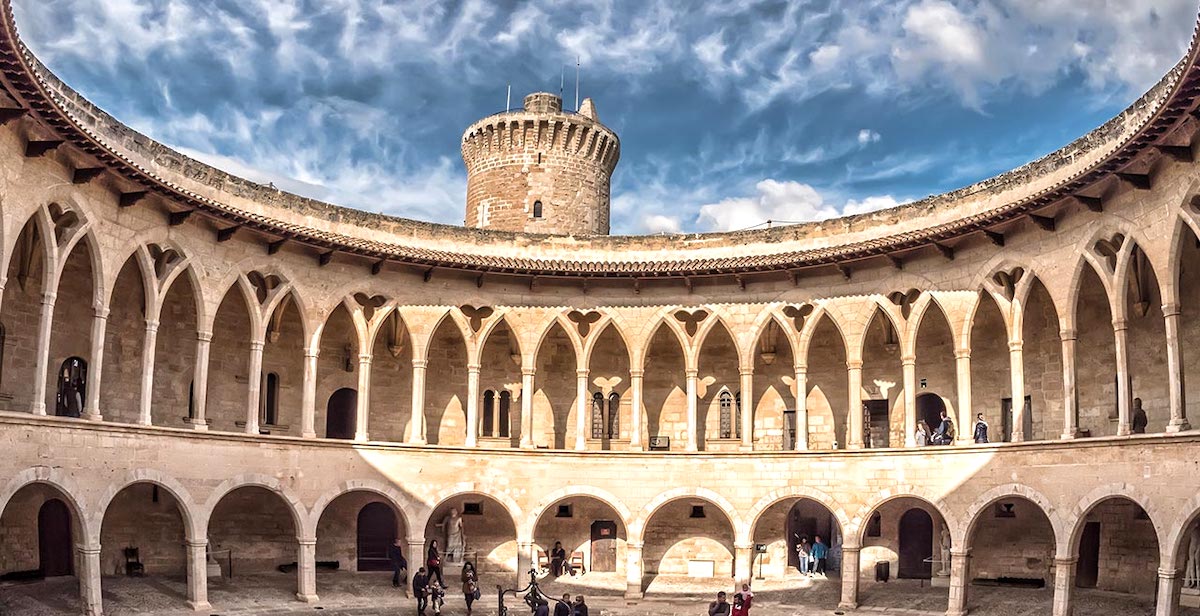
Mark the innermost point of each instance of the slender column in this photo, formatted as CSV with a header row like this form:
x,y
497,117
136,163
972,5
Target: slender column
x,y
1166,603
527,441
960,576
149,344
306,570
200,381
308,398
908,366
747,409
254,385
633,571
524,560
1064,585
416,436
91,411
854,438
849,578
197,575
1124,396
962,365
416,560
42,364
1070,394
363,408
801,443
89,580
692,426
1016,371
743,564
1178,421
472,405
635,410
581,408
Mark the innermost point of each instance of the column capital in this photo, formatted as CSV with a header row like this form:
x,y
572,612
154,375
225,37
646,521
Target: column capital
x,y
691,373
1120,325
197,543
257,345
801,369
962,354
1016,345
420,364
1171,310
312,353
474,368
306,541
48,298
204,336
151,325
1169,574
364,358
636,374
100,313
960,552
632,545
1065,562
743,546
87,550
851,549
746,371
1068,335
854,364
582,373
529,372
908,360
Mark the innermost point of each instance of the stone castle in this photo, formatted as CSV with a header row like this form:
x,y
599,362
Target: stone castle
x,y
229,378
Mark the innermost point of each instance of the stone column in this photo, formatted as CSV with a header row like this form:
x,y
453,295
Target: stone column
x,y
747,409
633,571
527,441
254,385
849,578
90,599
581,409
1178,421
41,371
1016,372
197,575
909,367
472,438
1124,396
306,570
200,381
692,426
1070,395
362,410
743,565
416,436
801,443
524,561
416,560
960,577
635,410
308,399
962,377
854,436
146,402
1166,603
1064,585
91,411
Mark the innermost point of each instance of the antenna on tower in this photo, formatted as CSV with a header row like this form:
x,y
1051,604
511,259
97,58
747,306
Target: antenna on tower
x,y
562,76
508,99
577,84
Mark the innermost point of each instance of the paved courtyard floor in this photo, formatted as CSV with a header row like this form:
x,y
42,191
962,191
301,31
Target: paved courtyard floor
x,y
344,593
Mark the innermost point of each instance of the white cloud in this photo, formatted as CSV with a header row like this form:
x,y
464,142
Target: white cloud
x,y
779,202
867,136
658,223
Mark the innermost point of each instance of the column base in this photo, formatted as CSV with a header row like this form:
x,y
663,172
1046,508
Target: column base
x,y
745,447
199,606
38,409
956,612
847,606
361,438
636,447
1066,436
1178,425
633,592
308,435
98,418
313,598
196,424
1017,437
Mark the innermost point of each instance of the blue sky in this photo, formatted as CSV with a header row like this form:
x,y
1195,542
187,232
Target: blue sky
x,y
730,113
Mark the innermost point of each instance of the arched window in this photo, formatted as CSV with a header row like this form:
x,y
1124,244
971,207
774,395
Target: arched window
x,y
614,415
502,416
726,402
597,415
489,413
737,405
72,386
270,413
537,209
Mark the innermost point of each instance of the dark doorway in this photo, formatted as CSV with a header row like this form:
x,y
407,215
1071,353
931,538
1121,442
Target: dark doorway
x,y
875,414
376,532
916,545
799,526
340,414
1007,415
604,545
929,409
72,385
1087,571
54,539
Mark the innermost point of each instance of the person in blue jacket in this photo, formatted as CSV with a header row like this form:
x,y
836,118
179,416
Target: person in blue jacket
x,y
817,553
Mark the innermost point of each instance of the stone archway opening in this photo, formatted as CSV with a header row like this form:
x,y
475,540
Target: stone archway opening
x,y
593,537
354,534
41,531
687,545
143,534
908,539
1012,547
779,530
489,538
252,538
1116,549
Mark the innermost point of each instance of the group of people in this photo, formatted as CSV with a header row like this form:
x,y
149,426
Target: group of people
x,y
565,607
811,556
944,434
428,584
739,607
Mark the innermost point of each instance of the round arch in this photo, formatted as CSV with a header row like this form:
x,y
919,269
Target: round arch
x,y
66,487
187,506
548,501
393,497
1076,519
294,505
637,526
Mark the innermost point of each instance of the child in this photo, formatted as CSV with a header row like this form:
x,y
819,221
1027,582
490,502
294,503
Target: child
x,y
437,597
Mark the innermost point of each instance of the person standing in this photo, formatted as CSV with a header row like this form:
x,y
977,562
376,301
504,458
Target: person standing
x,y
581,608
564,607
981,429
433,560
944,435
741,605
437,598
922,436
720,607
396,557
558,560
818,553
542,608
470,585
420,586
803,558
1140,421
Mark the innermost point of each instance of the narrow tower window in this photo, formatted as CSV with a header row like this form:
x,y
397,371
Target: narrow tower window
x,y
537,209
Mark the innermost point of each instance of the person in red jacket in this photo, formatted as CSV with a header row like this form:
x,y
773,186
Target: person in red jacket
x,y
741,604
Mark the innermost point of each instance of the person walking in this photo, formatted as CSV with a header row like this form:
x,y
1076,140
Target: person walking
x,y
1140,421
433,560
981,429
923,435
437,598
470,585
420,586
581,608
396,557
818,553
720,607
564,607
944,435
803,558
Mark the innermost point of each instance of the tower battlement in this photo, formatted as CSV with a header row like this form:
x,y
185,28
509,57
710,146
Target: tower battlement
x,y
540,169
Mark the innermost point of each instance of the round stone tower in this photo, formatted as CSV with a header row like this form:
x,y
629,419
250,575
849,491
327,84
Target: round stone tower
x,y
540,169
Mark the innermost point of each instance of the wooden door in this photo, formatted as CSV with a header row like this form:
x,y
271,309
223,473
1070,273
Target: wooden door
x,y
54,539
604,545
340,414
916,545
376,533
1087,570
